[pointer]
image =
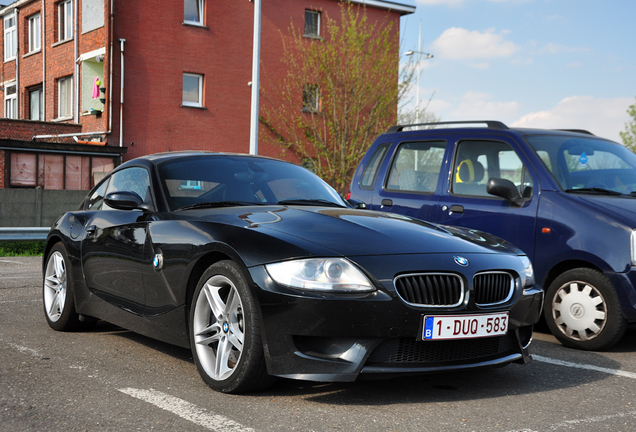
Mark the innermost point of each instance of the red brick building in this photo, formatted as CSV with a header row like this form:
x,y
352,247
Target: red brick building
x,y
127,78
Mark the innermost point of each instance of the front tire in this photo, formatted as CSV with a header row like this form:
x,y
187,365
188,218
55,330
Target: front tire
x,y
225,333
57,292
582,310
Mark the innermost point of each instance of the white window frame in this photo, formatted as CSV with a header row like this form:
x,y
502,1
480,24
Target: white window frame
x,y
35,33
200,5
65,20
198,103
40,107
65,97
10,37
11,101
318,15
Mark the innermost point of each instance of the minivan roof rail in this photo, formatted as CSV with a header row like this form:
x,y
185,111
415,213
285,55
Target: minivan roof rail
x,y
492,124
583,131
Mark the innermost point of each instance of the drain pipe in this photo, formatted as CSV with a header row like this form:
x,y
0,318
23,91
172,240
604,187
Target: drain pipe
x,y
17,63
43,47
121,96
76,70
110,67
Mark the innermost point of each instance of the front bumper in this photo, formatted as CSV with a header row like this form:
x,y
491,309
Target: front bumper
x,y
333,338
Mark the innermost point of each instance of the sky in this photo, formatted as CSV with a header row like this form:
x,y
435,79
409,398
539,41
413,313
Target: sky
x,y
529,63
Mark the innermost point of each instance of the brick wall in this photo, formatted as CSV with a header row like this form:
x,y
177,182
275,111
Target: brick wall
x,y
24,130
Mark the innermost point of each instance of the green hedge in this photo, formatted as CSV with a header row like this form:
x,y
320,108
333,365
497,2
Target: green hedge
x,y
27,248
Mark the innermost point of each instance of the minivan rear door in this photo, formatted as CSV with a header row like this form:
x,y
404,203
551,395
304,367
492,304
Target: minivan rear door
x,y
413,180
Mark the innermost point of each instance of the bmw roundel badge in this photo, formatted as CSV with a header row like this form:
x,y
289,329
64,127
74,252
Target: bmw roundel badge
x,y
157,262
461,261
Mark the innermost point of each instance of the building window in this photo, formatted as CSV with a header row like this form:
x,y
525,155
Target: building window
x,y
65,97
312,23
36,107
192,90
311,98
58,171
65,20
34,33
193,12
11,102
10,37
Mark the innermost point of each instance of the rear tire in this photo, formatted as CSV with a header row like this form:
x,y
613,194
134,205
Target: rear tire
x,y
225,333
582,310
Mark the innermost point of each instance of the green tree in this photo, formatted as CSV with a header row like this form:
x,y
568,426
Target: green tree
x,y
339,93
629,135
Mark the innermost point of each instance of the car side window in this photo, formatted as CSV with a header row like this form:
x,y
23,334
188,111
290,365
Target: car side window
x,y
416,166
133,179
370,173
97,198
478,161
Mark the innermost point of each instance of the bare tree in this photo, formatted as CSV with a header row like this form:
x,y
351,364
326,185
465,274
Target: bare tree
x,y
339,93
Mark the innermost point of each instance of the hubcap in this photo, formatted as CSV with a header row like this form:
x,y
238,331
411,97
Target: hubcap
x,y
219,328
55,286
579,311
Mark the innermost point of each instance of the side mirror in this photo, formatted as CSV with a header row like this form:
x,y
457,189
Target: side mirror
x,y
357,204
123,200
505,189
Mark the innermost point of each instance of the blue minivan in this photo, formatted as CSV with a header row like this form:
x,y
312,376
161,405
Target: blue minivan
x,y
565,197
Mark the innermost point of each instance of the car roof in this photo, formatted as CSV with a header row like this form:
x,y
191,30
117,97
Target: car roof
x,y
160,157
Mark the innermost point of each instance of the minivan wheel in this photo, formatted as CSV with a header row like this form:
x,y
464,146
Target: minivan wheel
x,y
582,310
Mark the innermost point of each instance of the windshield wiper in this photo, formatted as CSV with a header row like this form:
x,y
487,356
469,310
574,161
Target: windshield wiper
x,y
312,202
595,190
213,204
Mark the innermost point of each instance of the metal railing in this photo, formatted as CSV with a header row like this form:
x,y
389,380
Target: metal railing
x,y
24,233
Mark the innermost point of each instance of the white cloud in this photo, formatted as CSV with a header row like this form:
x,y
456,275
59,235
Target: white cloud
x,y
480,106
602,117
459,43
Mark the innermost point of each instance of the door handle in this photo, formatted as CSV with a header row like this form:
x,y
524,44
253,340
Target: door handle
x,y
456,209
90,231
387,203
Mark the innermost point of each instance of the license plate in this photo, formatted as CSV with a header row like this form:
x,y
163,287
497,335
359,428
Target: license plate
x,y
464,326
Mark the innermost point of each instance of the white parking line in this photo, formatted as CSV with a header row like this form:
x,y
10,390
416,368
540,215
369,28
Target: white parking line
x,y
584,366
577,422
186,410
25,350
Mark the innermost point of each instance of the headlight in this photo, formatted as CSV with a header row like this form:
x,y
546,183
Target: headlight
x,y
528,271
320,274
633,242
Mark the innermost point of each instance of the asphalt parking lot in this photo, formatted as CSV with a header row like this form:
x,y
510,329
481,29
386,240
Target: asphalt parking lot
x,y
109,379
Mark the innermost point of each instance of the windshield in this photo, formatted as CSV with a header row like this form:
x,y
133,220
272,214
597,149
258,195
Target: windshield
x,y
221,180
581,164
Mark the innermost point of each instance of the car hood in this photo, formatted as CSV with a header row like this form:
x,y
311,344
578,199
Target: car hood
x,y
352,232
621,206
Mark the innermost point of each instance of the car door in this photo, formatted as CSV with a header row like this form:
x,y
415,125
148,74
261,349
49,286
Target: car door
x,y
113,249
466,203
412,182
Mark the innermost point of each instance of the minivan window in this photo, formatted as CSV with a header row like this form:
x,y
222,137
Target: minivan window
x,y
587,164
370,173
416,166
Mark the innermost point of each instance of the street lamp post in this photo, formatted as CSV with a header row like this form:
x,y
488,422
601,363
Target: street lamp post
x,y
419,57
417,97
